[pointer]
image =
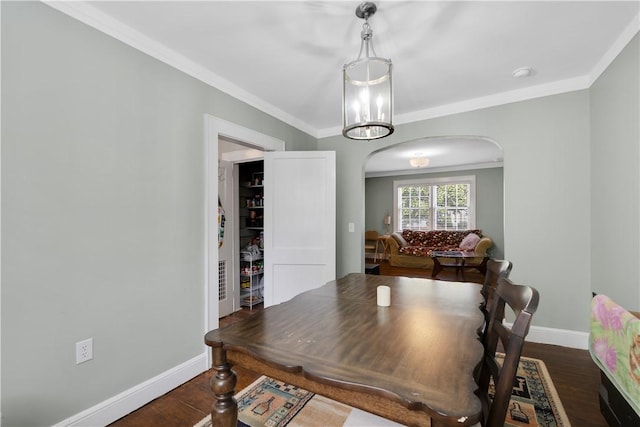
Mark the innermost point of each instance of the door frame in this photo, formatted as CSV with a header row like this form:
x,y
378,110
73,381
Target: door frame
x,y
227,177
214,128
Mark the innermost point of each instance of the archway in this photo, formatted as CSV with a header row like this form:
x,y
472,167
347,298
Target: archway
x,y
447,156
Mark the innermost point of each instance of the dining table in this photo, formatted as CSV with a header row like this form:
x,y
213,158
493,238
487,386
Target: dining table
x,y
411,361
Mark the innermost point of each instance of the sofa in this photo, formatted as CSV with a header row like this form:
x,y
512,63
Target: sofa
x,y
411,248
614,345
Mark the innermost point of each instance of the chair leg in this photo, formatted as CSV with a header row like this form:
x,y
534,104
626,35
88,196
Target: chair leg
x,y
375,252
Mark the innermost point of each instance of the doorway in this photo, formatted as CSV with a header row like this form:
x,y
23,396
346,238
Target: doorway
x,y
300,195
218,132
234,160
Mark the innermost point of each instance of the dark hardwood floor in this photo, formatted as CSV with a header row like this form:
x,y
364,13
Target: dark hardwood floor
x,y
574,375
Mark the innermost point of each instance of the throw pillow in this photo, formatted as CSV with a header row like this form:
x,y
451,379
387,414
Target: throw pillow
x,y
469,242
398,237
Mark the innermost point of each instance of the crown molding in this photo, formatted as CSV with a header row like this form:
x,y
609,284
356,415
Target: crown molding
x,y
524,94
89,15
625,37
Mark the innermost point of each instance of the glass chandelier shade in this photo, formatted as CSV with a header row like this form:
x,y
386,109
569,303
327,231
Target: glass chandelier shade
x,y
367,92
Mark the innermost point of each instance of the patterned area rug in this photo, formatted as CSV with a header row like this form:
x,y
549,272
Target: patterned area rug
x,y
271,403
534,399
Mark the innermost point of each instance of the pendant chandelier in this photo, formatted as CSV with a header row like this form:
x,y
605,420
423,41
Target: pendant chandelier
x,y
367,95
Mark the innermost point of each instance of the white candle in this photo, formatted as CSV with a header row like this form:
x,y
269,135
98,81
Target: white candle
x,y
384,296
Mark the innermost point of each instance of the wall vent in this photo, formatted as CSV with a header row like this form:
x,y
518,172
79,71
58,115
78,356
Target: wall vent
x,y
222,280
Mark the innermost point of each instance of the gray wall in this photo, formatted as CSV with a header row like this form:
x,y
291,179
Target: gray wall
x,y
489,202
551,165
615,179
102,212
545,143
103,204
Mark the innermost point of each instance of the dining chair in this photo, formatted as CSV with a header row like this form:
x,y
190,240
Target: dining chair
x,y
371,242
523,302
496,268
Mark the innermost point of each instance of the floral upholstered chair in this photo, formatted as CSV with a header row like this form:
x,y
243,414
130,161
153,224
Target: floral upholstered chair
x,y
614,344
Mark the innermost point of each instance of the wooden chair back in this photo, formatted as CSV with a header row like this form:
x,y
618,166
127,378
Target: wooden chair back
x,y
496,268
370,240
523,302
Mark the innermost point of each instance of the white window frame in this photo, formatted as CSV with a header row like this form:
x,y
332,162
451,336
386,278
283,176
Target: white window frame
x,y
468,179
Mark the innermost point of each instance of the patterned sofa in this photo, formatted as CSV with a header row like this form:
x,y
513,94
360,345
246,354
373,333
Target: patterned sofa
x,y
413,248
614,345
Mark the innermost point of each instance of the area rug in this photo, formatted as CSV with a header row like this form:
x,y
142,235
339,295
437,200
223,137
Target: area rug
x,y
271,403
534,399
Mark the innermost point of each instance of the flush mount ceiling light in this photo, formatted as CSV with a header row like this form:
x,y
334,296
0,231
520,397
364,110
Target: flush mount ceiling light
x,y
367,96
419,161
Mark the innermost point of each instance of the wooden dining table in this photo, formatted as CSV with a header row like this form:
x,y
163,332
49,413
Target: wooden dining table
x,y
411,362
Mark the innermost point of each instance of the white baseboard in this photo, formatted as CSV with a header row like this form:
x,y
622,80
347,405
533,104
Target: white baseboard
x,y
561,337
129,400
120,405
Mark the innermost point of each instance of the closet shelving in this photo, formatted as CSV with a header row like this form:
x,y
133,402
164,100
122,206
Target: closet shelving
x,y
251,194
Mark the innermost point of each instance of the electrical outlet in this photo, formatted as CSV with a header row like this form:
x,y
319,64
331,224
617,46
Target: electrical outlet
x,y
84,351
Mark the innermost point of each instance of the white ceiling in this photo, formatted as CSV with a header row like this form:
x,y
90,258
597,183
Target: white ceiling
x,y
286,57
448,153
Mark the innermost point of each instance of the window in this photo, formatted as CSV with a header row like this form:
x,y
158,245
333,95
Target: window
x,y
435,204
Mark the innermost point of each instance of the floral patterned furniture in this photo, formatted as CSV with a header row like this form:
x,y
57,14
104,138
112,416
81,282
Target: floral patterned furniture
x,y
413,248
614,345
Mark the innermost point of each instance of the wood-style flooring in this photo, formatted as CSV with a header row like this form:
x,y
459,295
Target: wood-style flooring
x,y
574,375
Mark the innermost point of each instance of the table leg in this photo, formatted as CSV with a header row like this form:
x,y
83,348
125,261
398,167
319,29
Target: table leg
x,y
482,268
224,412
436,267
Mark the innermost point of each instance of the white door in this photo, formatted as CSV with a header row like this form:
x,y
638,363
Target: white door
x,y
299,222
